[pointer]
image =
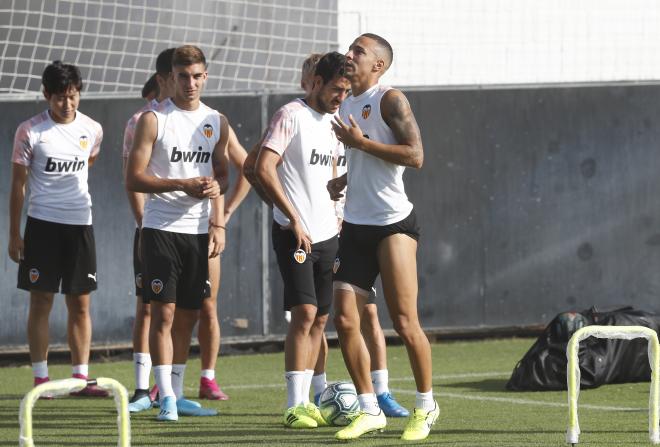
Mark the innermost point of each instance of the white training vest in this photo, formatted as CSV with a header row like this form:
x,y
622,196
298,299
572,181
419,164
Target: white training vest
x,y
183,149
57,155
131,125
308,147
375,194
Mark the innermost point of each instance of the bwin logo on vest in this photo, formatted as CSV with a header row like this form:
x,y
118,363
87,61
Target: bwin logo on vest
x,y
320,159
190,156
53,165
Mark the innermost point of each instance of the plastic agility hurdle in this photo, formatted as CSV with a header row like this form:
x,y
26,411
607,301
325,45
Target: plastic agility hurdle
x,y
60,387
573,373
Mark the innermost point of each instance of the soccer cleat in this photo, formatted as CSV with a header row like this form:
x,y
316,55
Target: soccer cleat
x,y
168,410
420,423
314,413
89,390
209,389
362,424
317,399
391,407
187,407
39,381
139,402
297,417
153,393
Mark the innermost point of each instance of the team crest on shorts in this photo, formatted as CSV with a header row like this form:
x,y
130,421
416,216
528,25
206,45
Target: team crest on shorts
x,y
366,111
156,286
138,280
34,275
335,266
208,130
300,256
84,142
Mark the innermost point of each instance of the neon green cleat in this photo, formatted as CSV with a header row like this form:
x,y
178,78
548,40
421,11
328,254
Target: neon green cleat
x,y
362,424
298,417
314,413
420,423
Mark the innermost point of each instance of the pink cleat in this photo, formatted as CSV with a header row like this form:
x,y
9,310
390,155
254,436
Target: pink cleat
x,y
209,389
39,381
89,390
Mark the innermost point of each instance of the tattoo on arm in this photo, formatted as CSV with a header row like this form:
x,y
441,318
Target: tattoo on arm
x,y
399,117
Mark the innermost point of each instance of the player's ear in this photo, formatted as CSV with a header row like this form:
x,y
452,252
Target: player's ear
x,y
379,65
46,95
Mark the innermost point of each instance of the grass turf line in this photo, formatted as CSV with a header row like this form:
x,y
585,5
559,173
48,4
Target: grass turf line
x,y
469,379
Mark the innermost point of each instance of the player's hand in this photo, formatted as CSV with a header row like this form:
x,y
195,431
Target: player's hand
x,y
211,188
16,249
194,187
302,238
350,134
336,186
216,241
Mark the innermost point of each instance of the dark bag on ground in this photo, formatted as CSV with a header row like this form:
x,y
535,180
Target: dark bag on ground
x,y
543,368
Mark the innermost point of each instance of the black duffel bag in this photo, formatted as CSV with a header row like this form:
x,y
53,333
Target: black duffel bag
x,y
543,367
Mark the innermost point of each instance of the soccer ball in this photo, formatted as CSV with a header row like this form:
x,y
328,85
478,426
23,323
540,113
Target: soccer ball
x,y
338,402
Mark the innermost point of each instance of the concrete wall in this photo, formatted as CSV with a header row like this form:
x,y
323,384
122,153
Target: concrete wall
x,y
531,202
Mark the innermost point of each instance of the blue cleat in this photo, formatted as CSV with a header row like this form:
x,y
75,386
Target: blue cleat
x,y
391,407
168,409
141,404
187,407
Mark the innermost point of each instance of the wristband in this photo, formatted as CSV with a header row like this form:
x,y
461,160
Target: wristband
x,y
216,226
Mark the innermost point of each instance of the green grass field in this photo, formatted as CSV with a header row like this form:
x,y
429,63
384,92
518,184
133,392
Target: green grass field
x,y
469,379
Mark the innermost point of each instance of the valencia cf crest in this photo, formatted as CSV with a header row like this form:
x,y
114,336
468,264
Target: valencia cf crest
x,y
208,130
366,111
34,275
300,256
156,286
335,266
138,280
84,142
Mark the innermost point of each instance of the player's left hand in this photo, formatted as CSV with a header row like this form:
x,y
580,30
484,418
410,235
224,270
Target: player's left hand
x,y
216,241
351,135
211,188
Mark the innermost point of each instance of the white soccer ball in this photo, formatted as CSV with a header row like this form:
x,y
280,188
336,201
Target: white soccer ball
x,y
338,403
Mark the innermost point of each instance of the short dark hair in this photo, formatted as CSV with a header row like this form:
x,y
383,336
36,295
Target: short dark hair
x,y
331,65
59,77
188,55
151,86
385,45
164,62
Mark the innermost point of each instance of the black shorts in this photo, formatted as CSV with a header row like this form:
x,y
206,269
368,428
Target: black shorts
x,y
137,265
175,268
309,281
58,258
357,260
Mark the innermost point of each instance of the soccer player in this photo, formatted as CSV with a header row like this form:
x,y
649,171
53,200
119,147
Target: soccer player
x,y
178,157
293,167
372,331
150,88
379,234
51,155
142,399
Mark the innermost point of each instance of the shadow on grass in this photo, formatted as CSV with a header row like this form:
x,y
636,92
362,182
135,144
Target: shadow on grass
x,y
490,385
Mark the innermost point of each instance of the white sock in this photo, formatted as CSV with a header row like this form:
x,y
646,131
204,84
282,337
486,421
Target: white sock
x,y
319,382
163,376
294,385
306,385
380,379
208,374
424,401
369,403
178,371
83,370
40,369
142,364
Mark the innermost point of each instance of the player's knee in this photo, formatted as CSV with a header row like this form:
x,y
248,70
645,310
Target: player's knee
x,y
345,322
405,327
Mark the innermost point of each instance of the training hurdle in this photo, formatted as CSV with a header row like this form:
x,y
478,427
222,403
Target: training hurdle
x,y
573,373
60,387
